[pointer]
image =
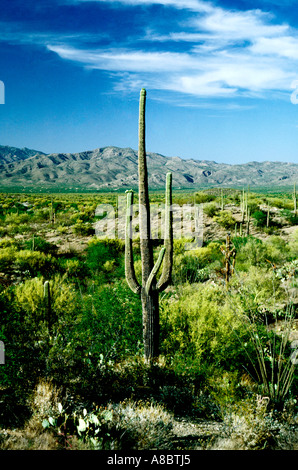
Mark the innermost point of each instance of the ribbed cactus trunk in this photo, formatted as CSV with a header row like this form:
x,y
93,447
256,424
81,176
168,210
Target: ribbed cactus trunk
x,y
150,305
148,289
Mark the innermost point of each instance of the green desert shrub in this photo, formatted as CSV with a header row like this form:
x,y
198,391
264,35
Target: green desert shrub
x,y
225,219
34,263
278,250
281,203
260,218
253,205
15,229
105,327
26,262
253,252
211,209
111,314
293,244
257,293
196,265
29,297
7,257
104,254
83,228
41,215
290,217
40,244
202,325
75,268
201,197
17,219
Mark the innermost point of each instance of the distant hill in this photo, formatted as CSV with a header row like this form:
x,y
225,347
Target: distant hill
x,y
13,154
116,168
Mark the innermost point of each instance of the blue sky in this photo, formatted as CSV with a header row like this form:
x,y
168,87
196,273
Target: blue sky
x,y
221,76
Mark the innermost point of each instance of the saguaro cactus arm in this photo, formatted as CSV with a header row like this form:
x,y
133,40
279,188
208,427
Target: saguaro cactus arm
x,y
165,278
129,265
155,269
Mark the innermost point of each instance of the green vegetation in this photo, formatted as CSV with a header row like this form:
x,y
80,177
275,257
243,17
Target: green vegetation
x,y
220,339
91,365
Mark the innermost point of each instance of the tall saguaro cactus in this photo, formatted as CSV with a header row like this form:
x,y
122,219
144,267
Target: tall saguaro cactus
x,y
149,288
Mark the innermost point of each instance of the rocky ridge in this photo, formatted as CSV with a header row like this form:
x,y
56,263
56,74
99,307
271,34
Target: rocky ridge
x,y
116,168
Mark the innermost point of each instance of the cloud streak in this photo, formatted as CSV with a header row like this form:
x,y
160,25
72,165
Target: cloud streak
x,y
214,52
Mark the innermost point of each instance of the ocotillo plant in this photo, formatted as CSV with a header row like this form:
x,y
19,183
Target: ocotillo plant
x,y
149,288
230,257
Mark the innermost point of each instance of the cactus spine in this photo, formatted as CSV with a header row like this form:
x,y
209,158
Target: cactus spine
x,y
149,288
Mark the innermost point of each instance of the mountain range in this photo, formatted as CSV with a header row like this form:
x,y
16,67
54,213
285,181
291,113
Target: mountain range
x,y
117,168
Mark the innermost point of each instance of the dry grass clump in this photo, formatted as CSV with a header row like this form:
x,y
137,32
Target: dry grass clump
x,y
121,426
44,399
142,425
33,436
251,425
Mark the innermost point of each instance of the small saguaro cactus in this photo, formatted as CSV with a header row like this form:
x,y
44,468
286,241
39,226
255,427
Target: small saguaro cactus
x,y
149,288
295,199
229,253
248,222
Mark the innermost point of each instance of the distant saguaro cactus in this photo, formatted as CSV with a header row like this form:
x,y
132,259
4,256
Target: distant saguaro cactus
x,y
295,199
248,222
149,288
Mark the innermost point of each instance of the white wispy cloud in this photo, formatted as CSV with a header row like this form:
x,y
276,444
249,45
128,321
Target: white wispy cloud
x,y
237,25
283,46
116,60
193,5
218,52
